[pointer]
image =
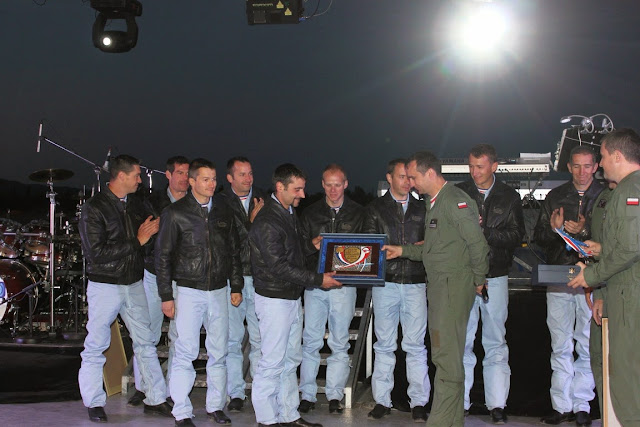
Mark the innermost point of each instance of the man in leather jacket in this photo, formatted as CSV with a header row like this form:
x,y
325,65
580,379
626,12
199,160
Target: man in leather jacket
x,y
502,222
245,201
279,275
334,213
569,206
177,173
114,228
402,299
198,248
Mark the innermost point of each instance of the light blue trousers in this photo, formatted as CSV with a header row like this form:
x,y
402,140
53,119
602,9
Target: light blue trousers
x,y
406,304
495,365
275,387
336,306
237,315
568,318
106,301
156,317
195,308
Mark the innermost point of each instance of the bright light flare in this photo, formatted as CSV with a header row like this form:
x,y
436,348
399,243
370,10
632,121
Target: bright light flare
x,y
483,31
106,41
480,32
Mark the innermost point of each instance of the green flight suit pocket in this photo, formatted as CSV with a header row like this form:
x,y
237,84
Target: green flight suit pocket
x,y
628,232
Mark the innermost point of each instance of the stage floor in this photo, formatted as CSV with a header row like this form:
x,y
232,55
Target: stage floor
x,y
63,414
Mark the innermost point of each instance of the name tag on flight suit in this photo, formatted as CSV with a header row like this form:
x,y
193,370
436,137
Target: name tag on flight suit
x,y
433,223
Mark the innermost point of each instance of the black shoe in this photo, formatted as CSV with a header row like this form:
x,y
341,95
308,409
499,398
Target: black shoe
x,y
335,407
300,422
498,416
419,414
219,417
557,418
466,412
583,418
163,409
185,422
235,405
306,406
379,411
136,399
97,415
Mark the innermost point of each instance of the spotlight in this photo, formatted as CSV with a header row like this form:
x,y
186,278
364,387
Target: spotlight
x,y
587,123
125,11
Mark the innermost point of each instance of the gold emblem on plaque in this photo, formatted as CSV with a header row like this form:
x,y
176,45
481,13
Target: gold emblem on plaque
x,y
351,253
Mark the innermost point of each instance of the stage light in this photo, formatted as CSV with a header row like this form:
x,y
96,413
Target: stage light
x,y
125,11
480,31
587,123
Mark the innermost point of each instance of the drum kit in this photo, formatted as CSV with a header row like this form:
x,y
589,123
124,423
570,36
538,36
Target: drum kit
x,y
38,258
44,258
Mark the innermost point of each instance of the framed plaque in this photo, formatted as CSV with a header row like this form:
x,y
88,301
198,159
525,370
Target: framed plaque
x,y
357,259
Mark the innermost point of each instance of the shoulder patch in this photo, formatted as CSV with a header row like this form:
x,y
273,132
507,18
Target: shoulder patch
x,y
463,205
632,201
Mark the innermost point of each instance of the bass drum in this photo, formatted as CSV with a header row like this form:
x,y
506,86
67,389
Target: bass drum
x,y
14,277
9,247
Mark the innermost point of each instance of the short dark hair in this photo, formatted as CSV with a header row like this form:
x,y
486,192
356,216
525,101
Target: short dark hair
x,y
334,167
582,149
176,160
232,162
391,166
285,174
488,150
197,164
122,163
426,160
626,141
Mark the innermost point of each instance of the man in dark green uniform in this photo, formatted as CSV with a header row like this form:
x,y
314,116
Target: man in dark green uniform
x,y
455,256
598,309
619,266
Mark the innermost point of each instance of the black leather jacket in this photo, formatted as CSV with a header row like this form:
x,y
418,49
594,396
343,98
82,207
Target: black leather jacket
x,y
319,218
566,196
277,260
502,223
196,249
243,225
155,204
384,216
109,230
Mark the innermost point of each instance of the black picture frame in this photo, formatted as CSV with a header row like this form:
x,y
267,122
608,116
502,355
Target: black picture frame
x,y
357,259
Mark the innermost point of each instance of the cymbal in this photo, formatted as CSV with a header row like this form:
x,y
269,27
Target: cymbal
x,y
53,175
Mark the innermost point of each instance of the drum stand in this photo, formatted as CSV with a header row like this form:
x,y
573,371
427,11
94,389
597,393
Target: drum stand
x,y
52,259
30,339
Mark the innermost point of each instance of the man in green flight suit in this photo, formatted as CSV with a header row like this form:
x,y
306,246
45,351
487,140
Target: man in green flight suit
x,y
598,309
456,258
619,266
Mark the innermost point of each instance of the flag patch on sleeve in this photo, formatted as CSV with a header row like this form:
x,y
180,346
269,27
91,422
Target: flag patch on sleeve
x,y
633,201
463,205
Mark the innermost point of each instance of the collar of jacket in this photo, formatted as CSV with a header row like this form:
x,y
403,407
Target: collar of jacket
x,y
194,204
115,199
276,207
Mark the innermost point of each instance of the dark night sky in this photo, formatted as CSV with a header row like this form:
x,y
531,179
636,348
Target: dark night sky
x,y
367,82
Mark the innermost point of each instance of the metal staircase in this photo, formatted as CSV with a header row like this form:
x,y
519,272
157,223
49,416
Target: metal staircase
x,y
360,336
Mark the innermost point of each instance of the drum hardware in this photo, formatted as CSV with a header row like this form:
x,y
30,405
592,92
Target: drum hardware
x,y
9,238
16,281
